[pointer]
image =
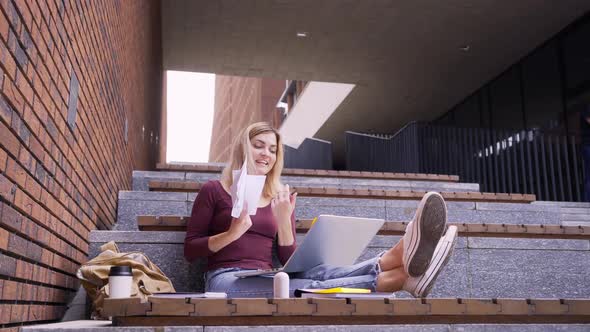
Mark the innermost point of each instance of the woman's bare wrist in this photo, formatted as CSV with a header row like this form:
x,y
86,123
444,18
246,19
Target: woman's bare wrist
x,y
285,234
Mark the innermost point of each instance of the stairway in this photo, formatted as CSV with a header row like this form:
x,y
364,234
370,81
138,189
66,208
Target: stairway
x,y
481,267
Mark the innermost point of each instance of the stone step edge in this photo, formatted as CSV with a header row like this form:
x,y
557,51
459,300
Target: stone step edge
x,y
538,231
141,177
318,172
195,186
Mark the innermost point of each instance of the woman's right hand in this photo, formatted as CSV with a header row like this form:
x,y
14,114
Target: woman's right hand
x,y
240,225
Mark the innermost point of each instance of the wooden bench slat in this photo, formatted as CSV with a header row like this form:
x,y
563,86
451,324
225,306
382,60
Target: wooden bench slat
x,y
178,223
193,186
170,307
244,311
212,307
321,173
125,307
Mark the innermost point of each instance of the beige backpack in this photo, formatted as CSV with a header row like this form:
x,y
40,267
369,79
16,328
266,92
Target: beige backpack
x,y
147,277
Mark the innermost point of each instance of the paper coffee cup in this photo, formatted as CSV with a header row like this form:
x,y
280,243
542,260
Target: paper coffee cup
x,y
120,279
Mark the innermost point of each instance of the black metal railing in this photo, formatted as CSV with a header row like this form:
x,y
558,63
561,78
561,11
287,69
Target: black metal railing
x,y
312,154
526,161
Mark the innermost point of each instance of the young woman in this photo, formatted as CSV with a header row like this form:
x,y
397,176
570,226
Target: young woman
x,y
246,243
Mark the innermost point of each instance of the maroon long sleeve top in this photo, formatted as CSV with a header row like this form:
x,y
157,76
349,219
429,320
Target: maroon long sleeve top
x,y
211,215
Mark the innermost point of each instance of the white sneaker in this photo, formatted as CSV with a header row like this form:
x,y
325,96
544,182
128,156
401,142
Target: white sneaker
x,y
421,286
423,232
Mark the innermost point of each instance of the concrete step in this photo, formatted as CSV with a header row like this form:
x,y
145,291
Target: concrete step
x,y
576,223
480,267
136,203
141,179
565,204
572,213
575,210
575,217
106,326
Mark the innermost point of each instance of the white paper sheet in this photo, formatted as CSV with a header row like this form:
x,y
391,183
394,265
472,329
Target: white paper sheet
x,y
246,189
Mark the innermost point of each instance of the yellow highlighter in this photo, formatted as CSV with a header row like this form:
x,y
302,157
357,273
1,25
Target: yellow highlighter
x,y
336,290
313,221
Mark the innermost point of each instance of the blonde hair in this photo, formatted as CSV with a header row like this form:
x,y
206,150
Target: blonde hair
x,y
241,149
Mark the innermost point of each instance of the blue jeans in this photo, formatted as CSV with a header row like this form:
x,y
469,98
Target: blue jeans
x,y
361,275
586,158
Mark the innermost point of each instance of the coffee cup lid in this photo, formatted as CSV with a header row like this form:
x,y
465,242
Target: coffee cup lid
x,y
120,271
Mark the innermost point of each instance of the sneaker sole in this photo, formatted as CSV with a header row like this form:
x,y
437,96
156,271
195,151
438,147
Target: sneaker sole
x,y
438,263
427,235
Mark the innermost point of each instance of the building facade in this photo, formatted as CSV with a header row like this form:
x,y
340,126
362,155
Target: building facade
x,y
240,101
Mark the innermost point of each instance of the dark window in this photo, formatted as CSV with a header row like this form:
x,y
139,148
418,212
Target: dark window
x,y
506,102
542,88
467,113
576,46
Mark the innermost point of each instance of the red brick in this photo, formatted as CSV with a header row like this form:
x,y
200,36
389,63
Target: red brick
x,y
15,172
7,61
10,218
23,201
31,120
3,240
29,228
47,257
26,160
10,290
19,313
52,9
43,294
33,188
3,157
38,312
35,12
24,11
10,329
12,95
30,69
45,29
17,245
43,236
5,313
16,123
3,26
24,87
7,188
6,111
40,110
27,292
38,85
36,149
24,270
38,40
9,140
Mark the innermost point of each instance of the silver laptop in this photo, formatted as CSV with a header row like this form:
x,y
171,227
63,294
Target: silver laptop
x,y
333,240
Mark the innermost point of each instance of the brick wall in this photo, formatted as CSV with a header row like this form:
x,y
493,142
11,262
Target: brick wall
x,y
80,85
240,101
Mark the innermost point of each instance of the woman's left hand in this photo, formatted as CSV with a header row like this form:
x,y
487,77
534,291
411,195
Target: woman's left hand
x,y
283,204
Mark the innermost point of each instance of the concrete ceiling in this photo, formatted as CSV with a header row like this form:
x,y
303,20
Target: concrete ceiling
x,y
405,57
